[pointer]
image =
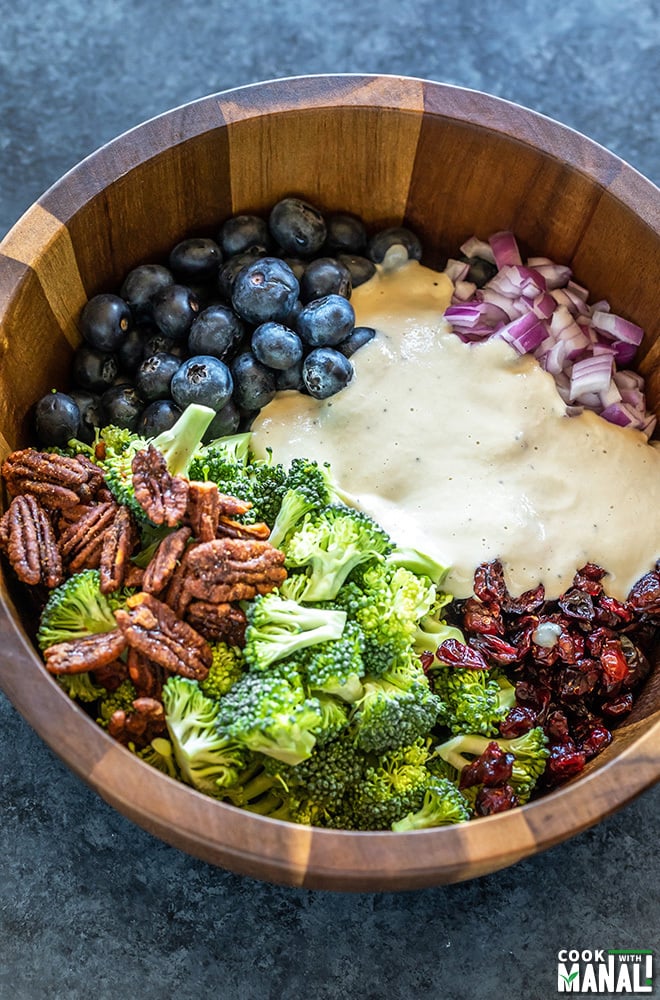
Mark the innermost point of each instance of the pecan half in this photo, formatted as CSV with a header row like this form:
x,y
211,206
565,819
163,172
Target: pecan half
x,y
233,569
151,627
81,543
90,653
110,675
227,528
218,621
118,543
140,726
57,481
203,510
161,569
28,538
162,496
147,677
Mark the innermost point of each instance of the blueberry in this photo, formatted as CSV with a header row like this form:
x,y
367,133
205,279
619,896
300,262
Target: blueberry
x,y
93,370
154,376
173,309
240,232
216,331
395,236
276,346
226,421
298,227
359,268
346,233
326,371
104,322
360,336
265,290
91,413
202,379
195,259
131,351
290,378
122,406
325,276
254,384
154,342
227,273
157,417
56,419
142,283
326,321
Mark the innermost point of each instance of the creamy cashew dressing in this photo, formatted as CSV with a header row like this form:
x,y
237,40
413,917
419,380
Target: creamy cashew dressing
x,y
465,451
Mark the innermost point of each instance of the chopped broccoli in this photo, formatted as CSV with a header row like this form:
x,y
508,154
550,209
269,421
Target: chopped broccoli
x,y
443,804
389,790
278,627
227,666
396,709
160,754
77,608
530,752
269,712
418,563
80,687
227,462
473,701
177,445
309,487
329,544
206,760
336,667
432,629
334,718
121,698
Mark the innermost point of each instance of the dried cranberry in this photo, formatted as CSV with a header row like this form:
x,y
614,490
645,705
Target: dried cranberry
x,y
638,664
458,654
492,767
533,695
528,602
570,646
564,761
478,617
645,594
614,667
577,604
489,585
495,800
577,681
426,659
556,727
596,640
495,649
597,740
618,707
611,612
588,579
519,720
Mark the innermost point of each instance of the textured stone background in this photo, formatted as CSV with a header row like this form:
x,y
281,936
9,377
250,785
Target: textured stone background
x,y
91,906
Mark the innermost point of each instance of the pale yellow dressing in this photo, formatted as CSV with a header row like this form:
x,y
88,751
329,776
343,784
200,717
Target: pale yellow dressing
x,y
465,451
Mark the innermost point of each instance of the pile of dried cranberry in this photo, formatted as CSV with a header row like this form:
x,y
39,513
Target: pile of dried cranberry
x,y
576,662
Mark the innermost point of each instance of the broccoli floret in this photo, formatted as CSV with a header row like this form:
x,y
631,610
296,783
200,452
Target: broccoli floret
x,y
432,629
269,712
530,752
80,687
395,710
206,760
309,487
159,754
227,462
227,666
177,445
337,667
329,544
389,790
443,805
278,627
473,701
334,718
121,698
418,563
77,608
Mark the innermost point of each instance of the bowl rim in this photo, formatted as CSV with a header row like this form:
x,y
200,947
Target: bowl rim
x,y
252,844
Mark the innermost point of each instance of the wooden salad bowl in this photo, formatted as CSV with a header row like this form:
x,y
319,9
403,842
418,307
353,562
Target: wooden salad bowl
x,y
449,163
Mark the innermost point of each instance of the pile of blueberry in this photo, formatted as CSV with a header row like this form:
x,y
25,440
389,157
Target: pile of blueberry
x,y
226,323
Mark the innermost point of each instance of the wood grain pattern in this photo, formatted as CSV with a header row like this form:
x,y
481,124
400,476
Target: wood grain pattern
x,y
448,161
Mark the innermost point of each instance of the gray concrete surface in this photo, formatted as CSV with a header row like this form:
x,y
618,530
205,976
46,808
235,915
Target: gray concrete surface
x,y
91,906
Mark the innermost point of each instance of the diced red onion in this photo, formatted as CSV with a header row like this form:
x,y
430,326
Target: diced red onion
x,y
474,247
524,333
464,290
590,375
617,327
543,305
626,379
554,275
456,270
505,248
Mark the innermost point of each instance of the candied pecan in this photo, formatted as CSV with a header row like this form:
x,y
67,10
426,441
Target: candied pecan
x,y
118,543
167,557
218,621
233,569
81,543
203,510
57,481
140,726
134,576
151,627
162,496
228,528
90,653
147,677
111,675
29,541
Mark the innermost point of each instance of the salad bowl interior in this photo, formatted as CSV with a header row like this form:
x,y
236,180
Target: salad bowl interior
x,y
448,163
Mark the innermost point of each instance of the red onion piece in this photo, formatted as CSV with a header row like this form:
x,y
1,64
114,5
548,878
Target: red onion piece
x,y
590,375
617,327
474,247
